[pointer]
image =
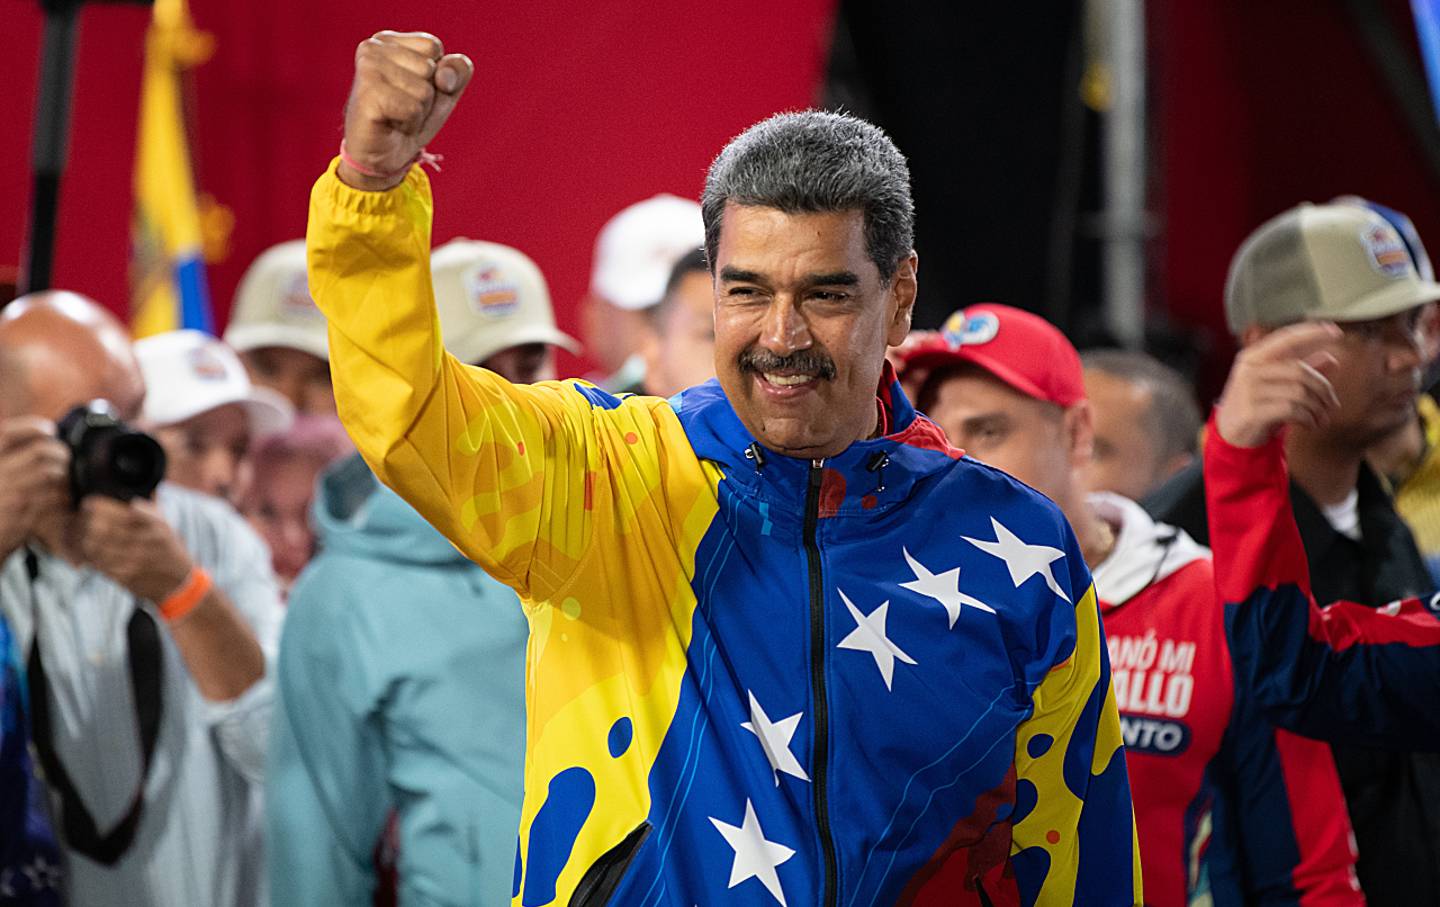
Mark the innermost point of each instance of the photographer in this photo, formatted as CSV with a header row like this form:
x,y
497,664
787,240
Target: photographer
x,y
145,627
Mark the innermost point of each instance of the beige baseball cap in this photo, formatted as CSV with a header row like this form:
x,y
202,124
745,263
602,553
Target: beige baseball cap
x,y
273,305
491,297
188,373
638,247
1336,262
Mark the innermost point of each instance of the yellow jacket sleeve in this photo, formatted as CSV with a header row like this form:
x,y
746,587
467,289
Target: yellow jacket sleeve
x,y
1070,763
506,472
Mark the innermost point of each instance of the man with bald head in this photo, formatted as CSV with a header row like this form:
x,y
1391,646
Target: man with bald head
x,y
145,627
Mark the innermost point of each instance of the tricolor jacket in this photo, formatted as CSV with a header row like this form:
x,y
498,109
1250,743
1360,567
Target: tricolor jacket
x,y
1230,810
1346,672
875,679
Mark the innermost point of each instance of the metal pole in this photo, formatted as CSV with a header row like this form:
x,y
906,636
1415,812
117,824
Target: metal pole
x,y
52,138
1124,156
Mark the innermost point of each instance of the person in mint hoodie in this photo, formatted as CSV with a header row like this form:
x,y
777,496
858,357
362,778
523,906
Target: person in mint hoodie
x,y
401,682
402,665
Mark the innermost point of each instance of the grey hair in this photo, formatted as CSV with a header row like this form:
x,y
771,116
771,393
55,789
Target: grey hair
x,y
817,162
1174,418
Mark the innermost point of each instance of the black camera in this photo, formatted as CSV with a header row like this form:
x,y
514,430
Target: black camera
x,y
107,456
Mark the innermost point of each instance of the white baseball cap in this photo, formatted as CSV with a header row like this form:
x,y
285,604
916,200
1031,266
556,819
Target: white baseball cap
x,y
638,247
491,297
188,373
273,306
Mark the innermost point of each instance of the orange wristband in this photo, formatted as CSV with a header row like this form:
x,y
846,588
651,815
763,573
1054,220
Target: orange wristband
x,y
183,600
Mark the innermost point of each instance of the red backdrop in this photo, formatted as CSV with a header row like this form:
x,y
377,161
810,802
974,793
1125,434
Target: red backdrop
x,y
577,110
1260,106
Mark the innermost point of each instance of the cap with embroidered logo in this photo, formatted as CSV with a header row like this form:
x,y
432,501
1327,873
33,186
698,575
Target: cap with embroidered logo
x,y
491,297
273,307
1020,348
189,373
1336,262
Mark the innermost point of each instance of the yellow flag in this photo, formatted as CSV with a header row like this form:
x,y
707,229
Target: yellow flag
x,y
167,267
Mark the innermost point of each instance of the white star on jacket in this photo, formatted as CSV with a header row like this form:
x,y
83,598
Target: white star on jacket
x,y
42,874
1023,561
943,587
869,636
775,737
755,857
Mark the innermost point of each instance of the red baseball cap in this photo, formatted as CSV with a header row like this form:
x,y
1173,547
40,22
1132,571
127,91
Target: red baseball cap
x,y
1020,348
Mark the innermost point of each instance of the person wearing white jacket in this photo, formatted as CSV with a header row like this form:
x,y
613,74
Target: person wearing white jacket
x,y
146,627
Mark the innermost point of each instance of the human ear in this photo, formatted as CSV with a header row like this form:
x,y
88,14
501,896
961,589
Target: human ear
x,y
904,287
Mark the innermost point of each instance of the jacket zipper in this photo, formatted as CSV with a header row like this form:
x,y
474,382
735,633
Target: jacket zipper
x,y
817,677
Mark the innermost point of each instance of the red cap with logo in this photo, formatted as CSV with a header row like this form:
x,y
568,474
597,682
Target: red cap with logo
x,y
1018,347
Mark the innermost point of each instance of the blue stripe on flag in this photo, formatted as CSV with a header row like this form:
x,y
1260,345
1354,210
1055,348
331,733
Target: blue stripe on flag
x,y
1427,29
194,294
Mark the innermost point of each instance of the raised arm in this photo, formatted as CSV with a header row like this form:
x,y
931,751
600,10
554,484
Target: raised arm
x,y
1344,672
503,470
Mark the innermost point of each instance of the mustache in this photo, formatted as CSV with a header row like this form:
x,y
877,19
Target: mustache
x,y
805,362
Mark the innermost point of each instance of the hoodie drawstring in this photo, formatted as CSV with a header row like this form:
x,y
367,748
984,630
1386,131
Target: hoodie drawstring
x,y
878,461
757,453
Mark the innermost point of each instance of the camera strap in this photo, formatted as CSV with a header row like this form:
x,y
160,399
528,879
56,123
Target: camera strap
x,y
144,654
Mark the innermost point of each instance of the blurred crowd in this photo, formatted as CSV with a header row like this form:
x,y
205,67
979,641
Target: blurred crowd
x,y
269,680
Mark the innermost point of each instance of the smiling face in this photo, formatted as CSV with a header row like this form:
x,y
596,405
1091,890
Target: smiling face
x,y
802,321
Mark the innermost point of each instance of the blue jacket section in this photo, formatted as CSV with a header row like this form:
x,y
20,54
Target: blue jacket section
x,y
1377,693
29,857
401,679
1347,672
835,712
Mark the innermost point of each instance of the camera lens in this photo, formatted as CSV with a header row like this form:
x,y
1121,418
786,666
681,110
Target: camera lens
x,y
109,457
136,463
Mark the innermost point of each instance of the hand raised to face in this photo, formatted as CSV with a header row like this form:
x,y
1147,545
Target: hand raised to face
x,y
1281,378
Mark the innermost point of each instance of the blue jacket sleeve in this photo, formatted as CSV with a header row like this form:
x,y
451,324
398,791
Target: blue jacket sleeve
x,y
1344,672
1289,818
326,800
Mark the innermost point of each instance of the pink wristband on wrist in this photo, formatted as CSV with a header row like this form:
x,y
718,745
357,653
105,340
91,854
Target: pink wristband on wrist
x,y
421,157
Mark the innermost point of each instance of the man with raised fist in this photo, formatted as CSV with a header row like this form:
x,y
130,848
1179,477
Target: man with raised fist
x,y
783,638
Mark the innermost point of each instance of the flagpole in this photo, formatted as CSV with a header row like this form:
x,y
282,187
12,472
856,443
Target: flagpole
x,y
52,136
51,142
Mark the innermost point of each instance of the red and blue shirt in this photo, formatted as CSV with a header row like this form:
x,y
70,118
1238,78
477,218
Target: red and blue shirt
x,y
1229,810
1347,672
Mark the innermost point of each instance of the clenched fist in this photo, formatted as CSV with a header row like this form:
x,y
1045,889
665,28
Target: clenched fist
x,y
405,87
1279,379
